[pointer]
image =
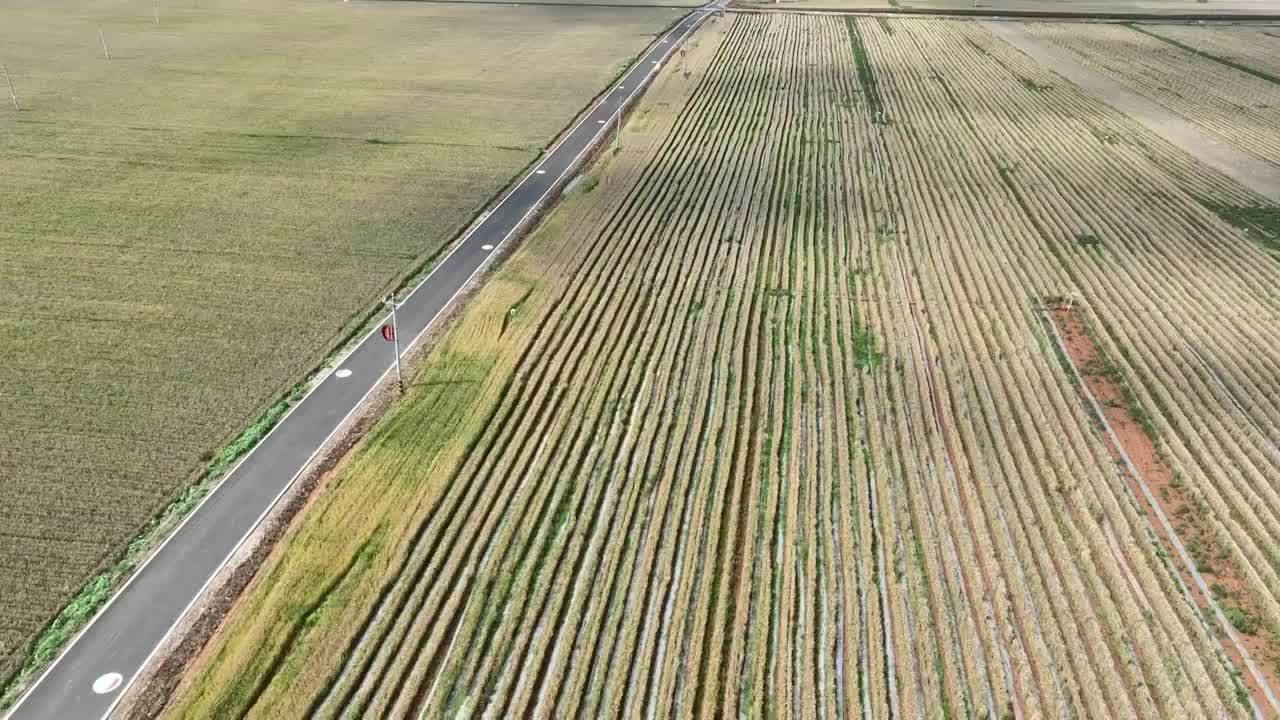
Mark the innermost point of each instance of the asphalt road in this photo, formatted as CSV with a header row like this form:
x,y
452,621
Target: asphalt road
x,y
88,679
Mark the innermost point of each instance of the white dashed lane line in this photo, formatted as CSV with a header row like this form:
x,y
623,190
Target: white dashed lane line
x,y
107,683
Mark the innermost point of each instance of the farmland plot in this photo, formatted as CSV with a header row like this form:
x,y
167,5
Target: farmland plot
x,y
1044,7
187,228
785,432
1232,93
619,3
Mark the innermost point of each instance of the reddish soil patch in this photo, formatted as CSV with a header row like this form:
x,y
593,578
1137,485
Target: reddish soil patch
x,y
1185,513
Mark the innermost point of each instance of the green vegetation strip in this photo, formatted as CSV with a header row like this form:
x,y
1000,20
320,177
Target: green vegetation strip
x,y
1216,58
866,76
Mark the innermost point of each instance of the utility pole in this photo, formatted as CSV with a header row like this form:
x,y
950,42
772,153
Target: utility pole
x,y
156,5
12,95
395,340
102,38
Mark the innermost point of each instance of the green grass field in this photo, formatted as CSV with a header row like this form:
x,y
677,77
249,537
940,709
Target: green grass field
x,y
189,227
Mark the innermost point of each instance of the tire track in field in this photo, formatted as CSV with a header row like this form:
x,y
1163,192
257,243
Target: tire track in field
x,y
1020,612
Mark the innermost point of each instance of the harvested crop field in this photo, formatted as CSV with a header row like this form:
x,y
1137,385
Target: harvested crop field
x,y
588,3
815,399
188,227
1224,79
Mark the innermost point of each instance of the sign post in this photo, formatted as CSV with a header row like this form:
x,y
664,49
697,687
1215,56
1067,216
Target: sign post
x,y
389,334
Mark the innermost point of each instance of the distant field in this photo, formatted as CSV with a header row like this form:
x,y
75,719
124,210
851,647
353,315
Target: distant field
x,y
187,228
834,393
616,3
1267,7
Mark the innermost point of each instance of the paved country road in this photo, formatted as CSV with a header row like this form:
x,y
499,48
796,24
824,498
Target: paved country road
x,y
88,679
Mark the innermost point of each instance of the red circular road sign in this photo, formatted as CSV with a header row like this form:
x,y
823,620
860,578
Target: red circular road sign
x,y
388,333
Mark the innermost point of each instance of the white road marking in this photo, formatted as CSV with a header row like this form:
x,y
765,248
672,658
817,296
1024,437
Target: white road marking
x,y
486,247
600,121
107,683
541,172
343,373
